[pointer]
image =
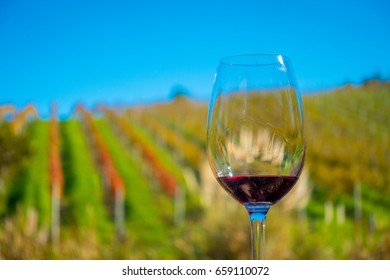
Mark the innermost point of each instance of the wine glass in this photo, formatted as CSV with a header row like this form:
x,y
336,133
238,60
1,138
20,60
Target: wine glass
x,y
255,141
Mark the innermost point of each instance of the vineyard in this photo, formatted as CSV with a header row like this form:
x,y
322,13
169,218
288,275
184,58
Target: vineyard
x,y
134,183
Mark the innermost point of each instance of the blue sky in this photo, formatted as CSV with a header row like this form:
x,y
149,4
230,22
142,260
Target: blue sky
x,y
136,51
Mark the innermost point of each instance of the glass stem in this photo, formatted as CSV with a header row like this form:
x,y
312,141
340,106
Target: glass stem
x,y
257,215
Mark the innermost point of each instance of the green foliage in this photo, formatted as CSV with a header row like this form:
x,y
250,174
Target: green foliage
x,y
148,211
83,202
348,137
15,149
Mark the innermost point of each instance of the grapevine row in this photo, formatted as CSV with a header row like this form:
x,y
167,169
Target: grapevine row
x,y
7,109
55,172
186,116
111,177
167,180
22,116
189,151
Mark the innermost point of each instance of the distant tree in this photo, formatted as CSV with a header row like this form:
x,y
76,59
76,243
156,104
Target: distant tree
x,y
373,79
178,91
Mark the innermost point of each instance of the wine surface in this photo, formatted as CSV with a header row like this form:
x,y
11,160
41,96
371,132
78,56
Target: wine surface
x,y
257,189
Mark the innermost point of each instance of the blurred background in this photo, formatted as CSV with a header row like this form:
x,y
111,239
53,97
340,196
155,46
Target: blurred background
x,y
103,110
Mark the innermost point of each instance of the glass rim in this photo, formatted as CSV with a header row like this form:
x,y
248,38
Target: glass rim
x,y
254,59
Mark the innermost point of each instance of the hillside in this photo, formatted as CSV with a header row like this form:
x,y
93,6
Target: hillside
x,y
136,184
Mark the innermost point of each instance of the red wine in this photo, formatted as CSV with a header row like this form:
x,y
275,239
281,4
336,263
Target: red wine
x,y
258,189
